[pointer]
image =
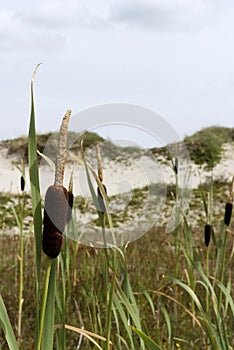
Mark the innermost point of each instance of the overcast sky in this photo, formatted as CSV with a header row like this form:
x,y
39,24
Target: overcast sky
x,y
175,57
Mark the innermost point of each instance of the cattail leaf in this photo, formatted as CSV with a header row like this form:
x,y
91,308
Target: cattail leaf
x,y
34,178
228,214
48,330
36,200
6,326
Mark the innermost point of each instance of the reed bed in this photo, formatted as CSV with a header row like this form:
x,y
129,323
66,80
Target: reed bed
x,y
164,291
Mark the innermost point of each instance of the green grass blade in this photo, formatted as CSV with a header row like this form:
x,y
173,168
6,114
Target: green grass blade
x,y
148,342
167,319
61,301
34,182
47,159
205,317
6,326
48,329
117,328
131,308
150,301
36,201
123,316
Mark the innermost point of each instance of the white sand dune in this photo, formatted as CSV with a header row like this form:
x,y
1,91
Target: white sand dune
x,y
119,176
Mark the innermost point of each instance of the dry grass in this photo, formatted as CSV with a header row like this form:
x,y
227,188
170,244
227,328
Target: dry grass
x,y
149,260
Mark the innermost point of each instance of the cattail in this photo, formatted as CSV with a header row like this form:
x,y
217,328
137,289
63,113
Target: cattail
x,y
56,200
228,208
55,216
228,213
176,166
101,204
22,177
22,183
207,234
52,244
56,204
176,159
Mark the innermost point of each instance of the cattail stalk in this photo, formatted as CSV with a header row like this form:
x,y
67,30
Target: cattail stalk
x,y
62,150
55,215
56,199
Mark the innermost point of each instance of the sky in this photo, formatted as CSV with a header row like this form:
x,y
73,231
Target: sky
x,y
174,57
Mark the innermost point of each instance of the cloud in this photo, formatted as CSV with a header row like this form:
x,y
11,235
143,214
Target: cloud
x,y
164,15
53,15
44,26
16,34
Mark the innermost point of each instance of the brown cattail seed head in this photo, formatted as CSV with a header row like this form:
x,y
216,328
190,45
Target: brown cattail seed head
x,y
176,166
52,243
22,183
56,204
55,215
207,234
101,203
228,213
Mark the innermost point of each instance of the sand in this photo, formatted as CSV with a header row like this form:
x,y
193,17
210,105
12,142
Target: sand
x,y
119,176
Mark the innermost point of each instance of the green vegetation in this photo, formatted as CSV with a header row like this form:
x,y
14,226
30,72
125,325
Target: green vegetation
x,y
19,146
162,292
205,146
150,261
